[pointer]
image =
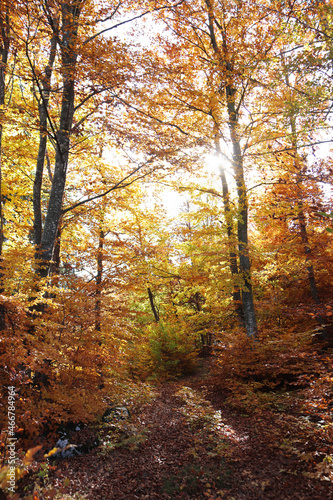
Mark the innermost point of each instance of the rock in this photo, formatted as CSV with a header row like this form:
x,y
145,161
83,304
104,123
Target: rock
x,y
116,413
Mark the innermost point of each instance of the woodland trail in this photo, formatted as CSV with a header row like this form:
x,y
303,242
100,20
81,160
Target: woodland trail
x,y
186,443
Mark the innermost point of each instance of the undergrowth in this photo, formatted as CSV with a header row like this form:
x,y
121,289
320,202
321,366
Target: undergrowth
x,y
288,380
270,373
165,351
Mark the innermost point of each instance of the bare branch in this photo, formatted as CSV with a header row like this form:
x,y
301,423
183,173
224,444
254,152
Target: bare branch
x,y
119,185
150,116
140,16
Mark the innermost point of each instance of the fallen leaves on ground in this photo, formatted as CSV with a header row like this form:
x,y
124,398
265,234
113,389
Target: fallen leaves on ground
x,y
188,443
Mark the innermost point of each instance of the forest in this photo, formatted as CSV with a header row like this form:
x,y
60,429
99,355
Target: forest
x,y
166,258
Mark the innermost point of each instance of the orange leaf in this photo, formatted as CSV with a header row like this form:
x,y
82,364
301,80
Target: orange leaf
x,y
29,456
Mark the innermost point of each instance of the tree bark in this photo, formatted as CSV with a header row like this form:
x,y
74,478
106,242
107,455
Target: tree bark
x,y
225,66
4,52
303,228
43,119
242,224
68,45
99,277
55,265
236,294
152,305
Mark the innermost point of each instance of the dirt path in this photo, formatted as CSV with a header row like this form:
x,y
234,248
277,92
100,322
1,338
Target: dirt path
x,y
186,443
157,459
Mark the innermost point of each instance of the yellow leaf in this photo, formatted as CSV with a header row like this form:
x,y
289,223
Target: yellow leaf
x,y
29,456
6,474
52,452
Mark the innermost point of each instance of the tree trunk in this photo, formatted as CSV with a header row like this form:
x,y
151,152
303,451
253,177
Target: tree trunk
x,y
236,294
307,252
4,51
43,119
152,305
223,61
303,229
242,225
99,277
55,265
69,28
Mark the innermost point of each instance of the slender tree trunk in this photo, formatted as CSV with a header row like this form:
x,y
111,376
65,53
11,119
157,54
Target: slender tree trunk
x,y
4,51
70,18
236,294
301,215
99,277
43,119
223,60
242,224
55,265
98,293
307,251
152,305
303,229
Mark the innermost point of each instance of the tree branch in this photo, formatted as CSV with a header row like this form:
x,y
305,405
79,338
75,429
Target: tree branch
x,y
118,185
130,20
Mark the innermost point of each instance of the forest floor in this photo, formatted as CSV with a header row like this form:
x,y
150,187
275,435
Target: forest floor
x,y
186,442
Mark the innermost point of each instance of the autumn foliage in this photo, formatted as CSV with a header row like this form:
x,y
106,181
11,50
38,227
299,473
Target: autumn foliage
x,y
165,194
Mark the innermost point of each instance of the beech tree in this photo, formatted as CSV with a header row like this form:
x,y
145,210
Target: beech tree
x,y
297,103
208,33
4,53
72,27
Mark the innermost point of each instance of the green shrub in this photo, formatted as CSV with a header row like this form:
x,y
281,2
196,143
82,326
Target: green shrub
x,y
167,352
